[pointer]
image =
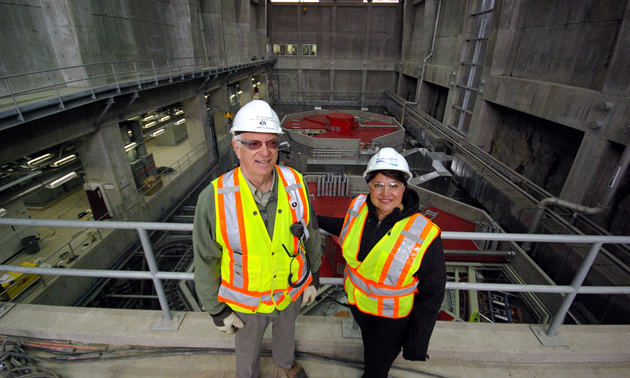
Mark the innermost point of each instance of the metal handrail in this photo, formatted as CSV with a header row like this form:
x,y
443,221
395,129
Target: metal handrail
x,y
159,69
571,291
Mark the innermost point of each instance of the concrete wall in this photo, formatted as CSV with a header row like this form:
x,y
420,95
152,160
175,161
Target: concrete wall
x,y
357,47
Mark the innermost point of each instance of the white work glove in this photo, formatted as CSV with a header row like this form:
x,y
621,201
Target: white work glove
x,y
308,297
231,324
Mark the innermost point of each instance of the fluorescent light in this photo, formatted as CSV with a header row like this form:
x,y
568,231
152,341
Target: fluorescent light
x,y
239,92
180,121
148,118
165,118
149,124
180,111
159,132
39,159
258,83
232,96
131,146
61,180
254,86
3,211
63,161
253,79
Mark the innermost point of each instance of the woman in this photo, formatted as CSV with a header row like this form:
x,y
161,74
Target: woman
x,y
395,273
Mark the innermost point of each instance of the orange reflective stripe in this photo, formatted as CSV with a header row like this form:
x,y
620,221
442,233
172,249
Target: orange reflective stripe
x,y
241,227
410,259
226,240
302,194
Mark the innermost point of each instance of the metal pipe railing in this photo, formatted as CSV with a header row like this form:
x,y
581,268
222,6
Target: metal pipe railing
x,y
571,291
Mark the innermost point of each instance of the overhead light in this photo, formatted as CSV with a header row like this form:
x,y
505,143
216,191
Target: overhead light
x,y
39,159
180,121
165,118
159,132
63,161
131,146
61,180
3,211
149,124
148,118
232,96
239,92
254,86
179,112
253,79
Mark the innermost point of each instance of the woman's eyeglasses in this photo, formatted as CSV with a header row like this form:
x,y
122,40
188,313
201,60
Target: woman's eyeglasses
x,y
256,144
392,186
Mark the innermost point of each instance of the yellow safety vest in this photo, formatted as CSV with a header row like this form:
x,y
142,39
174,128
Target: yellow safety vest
x,y
255,267
384,283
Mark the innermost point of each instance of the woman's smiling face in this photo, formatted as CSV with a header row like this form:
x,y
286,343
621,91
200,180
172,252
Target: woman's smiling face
x,y
386,194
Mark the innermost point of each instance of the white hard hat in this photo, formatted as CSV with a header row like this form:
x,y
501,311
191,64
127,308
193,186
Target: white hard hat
x,y
256,117
388,159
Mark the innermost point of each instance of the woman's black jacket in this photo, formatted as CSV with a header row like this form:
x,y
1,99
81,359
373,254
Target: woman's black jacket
x,y
431,275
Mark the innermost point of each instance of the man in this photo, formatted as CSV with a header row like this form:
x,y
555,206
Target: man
x,y
255,238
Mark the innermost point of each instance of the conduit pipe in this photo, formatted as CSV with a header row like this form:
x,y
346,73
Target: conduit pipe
x,y
424,64
613,185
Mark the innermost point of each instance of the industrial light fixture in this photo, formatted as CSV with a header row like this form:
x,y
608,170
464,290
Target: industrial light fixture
x,y
3,211
179,112
148,118
61,180
64,161
239,92
258,83
38,160
165,118
131,146
159,132
180,121
149,125
232,96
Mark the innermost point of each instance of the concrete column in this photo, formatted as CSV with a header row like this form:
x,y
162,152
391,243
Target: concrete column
x,y
366,52
197,120
105,162
333,50
65,34
583,182
183,18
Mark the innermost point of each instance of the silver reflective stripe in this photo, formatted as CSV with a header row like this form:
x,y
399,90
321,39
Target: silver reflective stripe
x,y
373,291
401,255
388,307
293,191
233,295
231,189
231,224
356,280
353,212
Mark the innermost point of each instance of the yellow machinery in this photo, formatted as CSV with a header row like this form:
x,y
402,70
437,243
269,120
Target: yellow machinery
x,y
14,283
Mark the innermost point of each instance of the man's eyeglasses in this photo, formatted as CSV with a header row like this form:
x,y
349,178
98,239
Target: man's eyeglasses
x,y
256,144
392,186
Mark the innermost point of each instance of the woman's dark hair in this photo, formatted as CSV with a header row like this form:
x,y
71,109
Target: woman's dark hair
x,y
396,175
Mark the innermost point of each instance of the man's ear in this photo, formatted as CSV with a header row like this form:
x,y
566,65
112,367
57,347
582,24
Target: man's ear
x,y
236,148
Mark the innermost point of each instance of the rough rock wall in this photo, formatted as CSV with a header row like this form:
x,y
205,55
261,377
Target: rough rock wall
x,y
540,150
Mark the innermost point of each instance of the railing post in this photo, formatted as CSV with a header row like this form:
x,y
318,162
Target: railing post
x,y
20,116
87,75
153,268
578,279
115,77
135,68
56,90
154,72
